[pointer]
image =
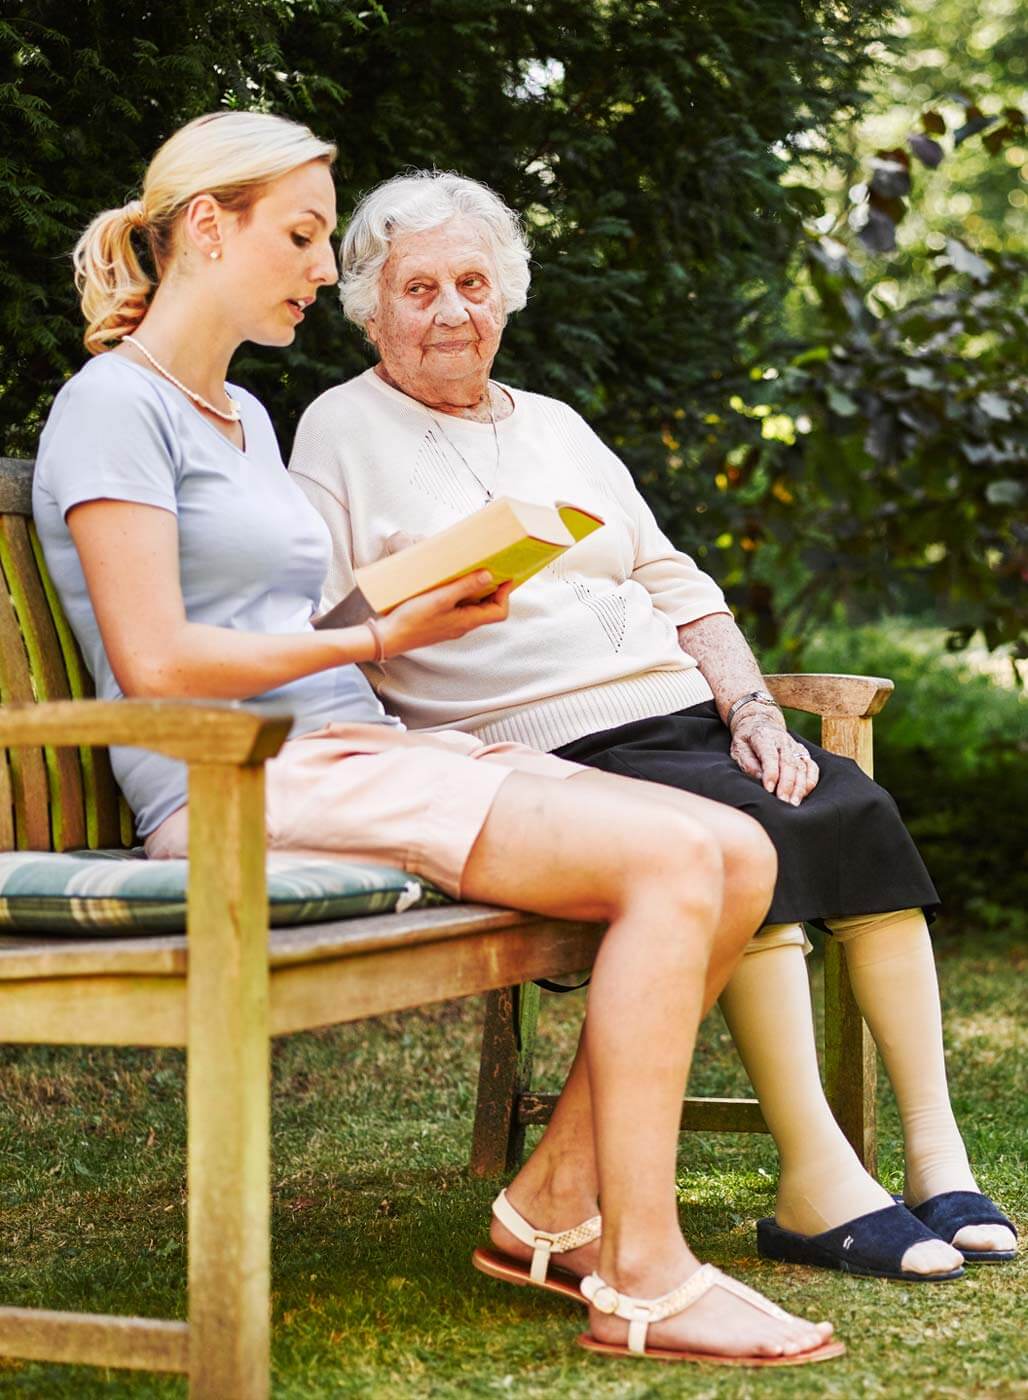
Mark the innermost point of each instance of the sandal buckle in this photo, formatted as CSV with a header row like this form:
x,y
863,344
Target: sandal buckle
x,y
605,1299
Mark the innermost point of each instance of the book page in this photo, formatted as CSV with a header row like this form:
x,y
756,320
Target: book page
x,y
579,522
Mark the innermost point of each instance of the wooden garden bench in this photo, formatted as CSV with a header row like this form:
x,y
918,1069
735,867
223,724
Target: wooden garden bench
x,y
231,985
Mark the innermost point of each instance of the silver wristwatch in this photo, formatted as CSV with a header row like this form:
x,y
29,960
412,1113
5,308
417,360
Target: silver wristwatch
x,y
752,697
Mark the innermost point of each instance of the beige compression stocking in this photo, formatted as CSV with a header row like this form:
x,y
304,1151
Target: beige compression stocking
x,y
768,1011
892,971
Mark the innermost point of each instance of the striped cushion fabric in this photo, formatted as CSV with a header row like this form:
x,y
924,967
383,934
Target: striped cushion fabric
x,y
121,892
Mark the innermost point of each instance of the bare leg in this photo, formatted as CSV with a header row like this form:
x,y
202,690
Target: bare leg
x,y
767,1007
558,1187
657,879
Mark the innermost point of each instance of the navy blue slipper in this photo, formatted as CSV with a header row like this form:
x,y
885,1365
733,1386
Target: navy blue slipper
x,y
949,1212
872,1245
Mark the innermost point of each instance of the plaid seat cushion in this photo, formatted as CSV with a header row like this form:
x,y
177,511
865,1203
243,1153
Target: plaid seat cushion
x,y
112,892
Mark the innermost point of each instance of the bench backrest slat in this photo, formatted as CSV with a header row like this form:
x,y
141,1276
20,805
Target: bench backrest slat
x,y
49,681
30,793
108,820
55,799
8,838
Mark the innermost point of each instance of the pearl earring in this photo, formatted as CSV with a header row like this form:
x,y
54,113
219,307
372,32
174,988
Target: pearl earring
x,y
215,255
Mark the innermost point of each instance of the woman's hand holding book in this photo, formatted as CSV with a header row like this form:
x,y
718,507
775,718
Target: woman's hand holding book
x,y
443,614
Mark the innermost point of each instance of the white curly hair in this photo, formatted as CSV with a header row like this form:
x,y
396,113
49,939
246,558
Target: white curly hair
x,y
413,203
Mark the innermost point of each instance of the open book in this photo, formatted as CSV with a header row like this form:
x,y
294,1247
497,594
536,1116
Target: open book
x,y
512,539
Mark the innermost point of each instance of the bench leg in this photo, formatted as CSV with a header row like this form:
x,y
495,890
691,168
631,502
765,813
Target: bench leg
x,y
228,1087
851,1067
505,1073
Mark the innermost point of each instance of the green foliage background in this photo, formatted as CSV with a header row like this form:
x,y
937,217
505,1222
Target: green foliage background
x,y
815,420
677,164
645,143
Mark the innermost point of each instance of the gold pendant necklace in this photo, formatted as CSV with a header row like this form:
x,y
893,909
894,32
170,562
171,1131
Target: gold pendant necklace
x,y
235,412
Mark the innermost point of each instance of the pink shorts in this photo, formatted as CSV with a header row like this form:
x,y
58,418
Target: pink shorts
x,y
371,792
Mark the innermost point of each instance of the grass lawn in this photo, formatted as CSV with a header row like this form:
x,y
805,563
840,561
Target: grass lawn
x,y
375,1216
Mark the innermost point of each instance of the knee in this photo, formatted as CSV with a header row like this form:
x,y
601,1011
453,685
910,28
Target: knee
x,y
751,863
683,866
773,936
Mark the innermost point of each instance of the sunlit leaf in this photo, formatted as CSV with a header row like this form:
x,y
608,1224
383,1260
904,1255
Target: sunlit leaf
x,y
965,261
815,355
1004,493
841,403
978,453
920,377
995,406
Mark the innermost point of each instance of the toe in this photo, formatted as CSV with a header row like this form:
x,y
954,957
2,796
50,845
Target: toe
x,y
984,1238
931,1257
804,1336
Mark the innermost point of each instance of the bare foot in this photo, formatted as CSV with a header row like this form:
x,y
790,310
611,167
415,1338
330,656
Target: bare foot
x,y
720,1322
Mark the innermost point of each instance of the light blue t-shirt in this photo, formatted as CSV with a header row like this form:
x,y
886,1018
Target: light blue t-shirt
x,y
253,552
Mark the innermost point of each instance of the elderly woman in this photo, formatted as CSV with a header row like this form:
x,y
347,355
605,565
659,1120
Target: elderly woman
x,y
622,655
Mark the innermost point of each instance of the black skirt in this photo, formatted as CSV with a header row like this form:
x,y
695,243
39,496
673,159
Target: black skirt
x,y
843,851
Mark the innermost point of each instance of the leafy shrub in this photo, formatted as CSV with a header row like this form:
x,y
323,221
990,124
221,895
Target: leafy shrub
x,y
952,748
645,142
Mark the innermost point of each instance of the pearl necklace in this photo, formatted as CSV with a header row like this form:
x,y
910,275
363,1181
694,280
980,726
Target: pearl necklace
x,y
496,441
235,412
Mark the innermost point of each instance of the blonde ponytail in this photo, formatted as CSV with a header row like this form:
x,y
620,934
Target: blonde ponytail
x,y
231,156
112,284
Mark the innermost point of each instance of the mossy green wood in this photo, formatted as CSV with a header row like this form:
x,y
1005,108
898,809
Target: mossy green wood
x,y
29,788
53,798
48,678
108,817
504,1078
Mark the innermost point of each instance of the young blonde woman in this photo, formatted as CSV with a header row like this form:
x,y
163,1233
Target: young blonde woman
x,y
190,564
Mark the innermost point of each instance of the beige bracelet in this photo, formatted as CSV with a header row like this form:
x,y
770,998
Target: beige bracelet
x,y
376,637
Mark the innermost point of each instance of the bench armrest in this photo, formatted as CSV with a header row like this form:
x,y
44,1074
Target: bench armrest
x,y
197,731
851,697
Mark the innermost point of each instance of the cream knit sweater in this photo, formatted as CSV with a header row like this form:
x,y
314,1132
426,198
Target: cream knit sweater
x,y
591,641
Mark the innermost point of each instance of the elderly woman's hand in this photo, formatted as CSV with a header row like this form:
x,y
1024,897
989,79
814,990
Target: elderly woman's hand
x,y
764,749
443,614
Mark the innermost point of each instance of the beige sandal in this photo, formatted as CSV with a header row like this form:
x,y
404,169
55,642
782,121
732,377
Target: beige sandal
x,y
544,1245
639,1313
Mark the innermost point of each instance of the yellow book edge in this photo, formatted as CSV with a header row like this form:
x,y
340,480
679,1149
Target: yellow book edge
x,y
515,563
